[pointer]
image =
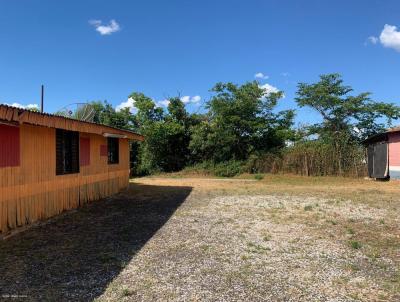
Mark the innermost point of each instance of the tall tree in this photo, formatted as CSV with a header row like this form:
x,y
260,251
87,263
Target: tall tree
x,y
346,119
356,116
241,120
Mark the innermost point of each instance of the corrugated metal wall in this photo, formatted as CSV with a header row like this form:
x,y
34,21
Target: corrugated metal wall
x,y
31,191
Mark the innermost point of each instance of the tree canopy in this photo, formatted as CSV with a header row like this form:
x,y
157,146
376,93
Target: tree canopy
x,y
358,115
241,123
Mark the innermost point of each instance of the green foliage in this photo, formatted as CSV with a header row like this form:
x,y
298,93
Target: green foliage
x,y
355,117
308,208
242,131
166,147
228,169
240,121
105,114
355,244
259,177
223,169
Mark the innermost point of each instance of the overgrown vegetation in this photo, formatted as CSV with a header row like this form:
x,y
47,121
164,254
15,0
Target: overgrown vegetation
x,y
241,130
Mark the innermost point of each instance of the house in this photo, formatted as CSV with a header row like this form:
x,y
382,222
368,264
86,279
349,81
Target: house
x,y
383,154
49,164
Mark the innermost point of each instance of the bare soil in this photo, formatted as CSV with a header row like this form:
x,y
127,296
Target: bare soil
x,y
283,238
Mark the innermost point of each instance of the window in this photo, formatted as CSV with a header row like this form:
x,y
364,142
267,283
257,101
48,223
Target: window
x,y
9,147
67,152
113,150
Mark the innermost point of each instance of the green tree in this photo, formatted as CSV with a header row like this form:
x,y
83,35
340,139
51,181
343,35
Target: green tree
x,y
147,111
167,135
355,117
346,119
105,114
241,121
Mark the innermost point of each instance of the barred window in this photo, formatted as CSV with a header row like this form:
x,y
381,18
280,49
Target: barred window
x,y
113,150
67,152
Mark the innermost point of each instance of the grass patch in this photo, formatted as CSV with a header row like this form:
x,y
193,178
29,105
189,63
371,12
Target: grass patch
x,y
258,176
257,248
356,245
125,292
308,208
267,237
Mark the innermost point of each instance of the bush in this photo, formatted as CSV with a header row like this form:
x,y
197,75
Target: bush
x,y
224,169
311,158
228,169
259,176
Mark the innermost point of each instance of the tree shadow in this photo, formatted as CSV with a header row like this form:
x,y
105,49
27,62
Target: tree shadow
x,y
75,256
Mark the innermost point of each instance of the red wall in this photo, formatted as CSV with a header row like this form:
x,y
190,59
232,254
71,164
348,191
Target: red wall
x,y
9,146
394,149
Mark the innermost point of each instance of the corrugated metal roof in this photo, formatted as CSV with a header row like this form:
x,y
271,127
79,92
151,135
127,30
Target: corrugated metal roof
x,y
19,115
382,136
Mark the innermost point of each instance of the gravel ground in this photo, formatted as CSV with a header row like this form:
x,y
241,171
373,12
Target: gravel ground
x,y
205,240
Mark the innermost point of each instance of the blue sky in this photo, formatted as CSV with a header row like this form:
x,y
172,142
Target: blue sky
x,y
165,48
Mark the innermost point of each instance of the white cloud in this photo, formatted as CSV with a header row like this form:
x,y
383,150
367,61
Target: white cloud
x,y
112,27
373,39
190,99
268,89
285,74
390,37
260,75
163,103
29,106
129,103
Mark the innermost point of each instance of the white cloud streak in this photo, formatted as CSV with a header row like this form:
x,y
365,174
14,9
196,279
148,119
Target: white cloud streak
x,y
129,103
104,30
163,103
260,75
268,89
373,39
18,105
190,99
390,37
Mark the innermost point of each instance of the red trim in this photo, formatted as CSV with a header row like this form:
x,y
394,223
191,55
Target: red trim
x,y
9,146
84,151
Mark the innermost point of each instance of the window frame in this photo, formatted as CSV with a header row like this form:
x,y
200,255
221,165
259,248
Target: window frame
x,y
112,148
67,144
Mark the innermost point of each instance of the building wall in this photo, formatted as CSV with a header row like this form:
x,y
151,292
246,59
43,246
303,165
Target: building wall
x,y
394,155
31,191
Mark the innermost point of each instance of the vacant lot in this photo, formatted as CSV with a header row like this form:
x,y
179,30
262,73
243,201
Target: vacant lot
x,y
190,239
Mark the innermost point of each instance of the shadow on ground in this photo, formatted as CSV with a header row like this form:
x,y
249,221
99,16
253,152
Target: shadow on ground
x,y
76,256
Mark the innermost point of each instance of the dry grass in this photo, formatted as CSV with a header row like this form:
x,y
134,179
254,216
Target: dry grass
x,y
175,238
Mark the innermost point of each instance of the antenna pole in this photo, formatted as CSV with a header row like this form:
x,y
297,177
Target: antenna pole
x,y
41,100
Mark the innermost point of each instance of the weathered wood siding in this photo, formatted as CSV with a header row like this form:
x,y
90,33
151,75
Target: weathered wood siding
x,y
32,191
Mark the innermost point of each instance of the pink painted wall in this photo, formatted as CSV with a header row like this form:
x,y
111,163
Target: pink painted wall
x,y
394,149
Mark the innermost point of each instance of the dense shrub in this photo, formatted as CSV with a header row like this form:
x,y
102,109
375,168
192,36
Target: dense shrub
x,y
312,158
223,169
228,169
